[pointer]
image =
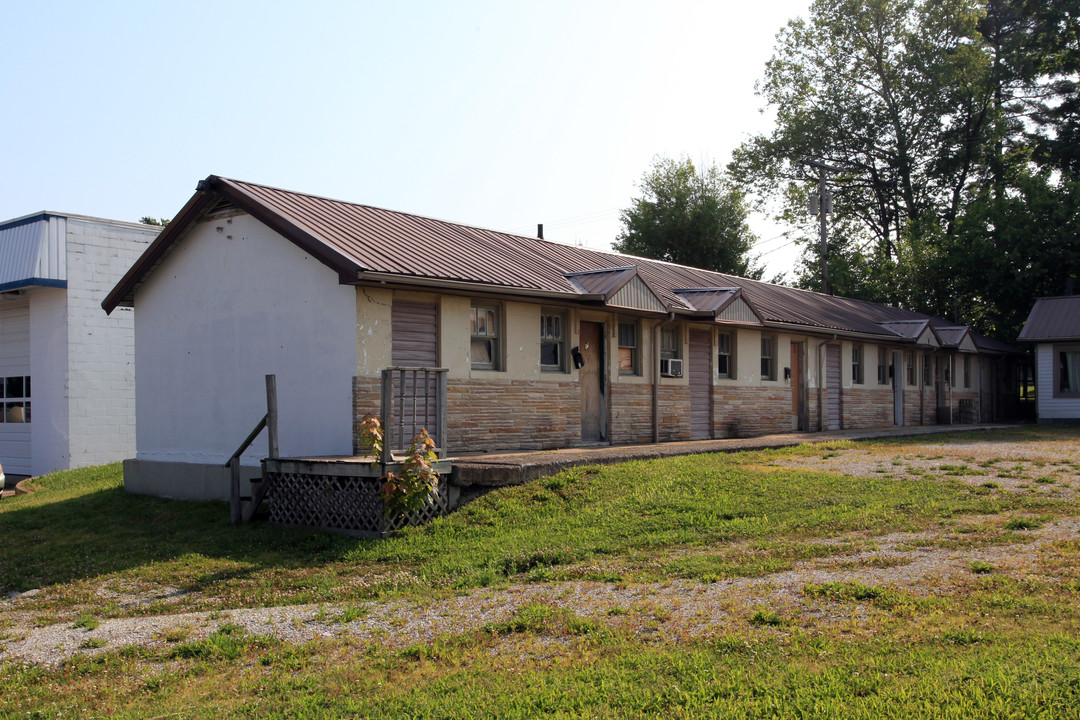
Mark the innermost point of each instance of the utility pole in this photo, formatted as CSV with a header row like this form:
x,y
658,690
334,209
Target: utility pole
x,y
821,205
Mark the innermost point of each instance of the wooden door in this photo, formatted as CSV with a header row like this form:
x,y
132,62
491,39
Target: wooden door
x,y
832,382
591,379
414,342
798,388
941,392
700,378
898,371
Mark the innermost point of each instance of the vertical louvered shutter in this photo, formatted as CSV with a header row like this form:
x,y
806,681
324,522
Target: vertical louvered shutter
x,y
700,377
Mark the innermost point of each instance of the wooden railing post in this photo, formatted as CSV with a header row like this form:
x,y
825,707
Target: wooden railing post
x,y
441,382
387,414
272,415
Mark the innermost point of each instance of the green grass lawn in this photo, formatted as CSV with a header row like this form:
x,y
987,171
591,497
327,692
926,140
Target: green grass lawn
x,y
992,646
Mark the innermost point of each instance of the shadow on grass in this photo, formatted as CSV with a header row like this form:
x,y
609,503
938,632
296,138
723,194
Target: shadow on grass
x,y
108,530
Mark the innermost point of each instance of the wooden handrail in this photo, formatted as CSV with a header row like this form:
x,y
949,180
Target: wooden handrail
x,y
269,421
247,442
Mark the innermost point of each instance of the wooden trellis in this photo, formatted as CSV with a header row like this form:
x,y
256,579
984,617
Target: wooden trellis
x,y
341,495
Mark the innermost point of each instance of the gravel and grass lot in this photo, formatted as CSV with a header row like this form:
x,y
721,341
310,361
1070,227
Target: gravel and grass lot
x,y
927,577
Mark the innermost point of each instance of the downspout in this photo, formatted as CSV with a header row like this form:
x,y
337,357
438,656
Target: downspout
x,y
821,382
656,376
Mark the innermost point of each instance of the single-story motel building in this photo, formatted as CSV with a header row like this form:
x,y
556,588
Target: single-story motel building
x,y
544,345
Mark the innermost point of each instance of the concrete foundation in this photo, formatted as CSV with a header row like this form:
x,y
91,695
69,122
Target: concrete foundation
x,y
183,481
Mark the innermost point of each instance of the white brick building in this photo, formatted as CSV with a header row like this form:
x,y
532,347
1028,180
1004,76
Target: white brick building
x,y
67,370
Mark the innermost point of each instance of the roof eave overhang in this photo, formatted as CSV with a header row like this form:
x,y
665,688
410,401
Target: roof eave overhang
x,y
124,291
1066,338
207,191
470,288
852,334
32,282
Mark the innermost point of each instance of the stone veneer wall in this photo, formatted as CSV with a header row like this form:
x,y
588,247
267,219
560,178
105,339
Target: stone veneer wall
x,y
488,416
674,411
366,393
519,415
485,416
868,406
748,411
631,414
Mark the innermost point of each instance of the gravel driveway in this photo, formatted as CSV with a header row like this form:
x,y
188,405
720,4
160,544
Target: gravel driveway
x,y
915,562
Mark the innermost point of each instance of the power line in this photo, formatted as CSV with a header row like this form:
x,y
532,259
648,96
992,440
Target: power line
x,y
779,247
775,237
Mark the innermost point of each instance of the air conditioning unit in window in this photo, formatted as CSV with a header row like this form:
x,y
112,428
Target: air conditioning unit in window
x,y
671,367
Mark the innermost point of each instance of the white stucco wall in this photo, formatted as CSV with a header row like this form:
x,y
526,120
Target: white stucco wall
x,y
49,424
233,302
101,348
1050,407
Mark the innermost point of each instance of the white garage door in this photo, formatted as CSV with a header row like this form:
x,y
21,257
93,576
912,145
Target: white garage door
x,y
15,406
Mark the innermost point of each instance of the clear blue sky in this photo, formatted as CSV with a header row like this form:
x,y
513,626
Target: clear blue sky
x,y
498,114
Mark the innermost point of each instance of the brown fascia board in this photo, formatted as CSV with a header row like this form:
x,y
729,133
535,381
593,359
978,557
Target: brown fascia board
x,y
122,293
346,268
206,191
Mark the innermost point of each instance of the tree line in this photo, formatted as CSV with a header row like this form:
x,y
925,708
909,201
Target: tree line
x,y
954,129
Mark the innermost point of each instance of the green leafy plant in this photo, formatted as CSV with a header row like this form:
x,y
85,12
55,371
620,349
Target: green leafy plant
x,y
371,436
86,621
766,617
417,485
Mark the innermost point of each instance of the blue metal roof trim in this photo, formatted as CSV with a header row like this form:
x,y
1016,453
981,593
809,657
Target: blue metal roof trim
x,y
28,219
33,282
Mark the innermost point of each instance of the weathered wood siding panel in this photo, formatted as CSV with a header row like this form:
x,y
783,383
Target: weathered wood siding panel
x,y
700,377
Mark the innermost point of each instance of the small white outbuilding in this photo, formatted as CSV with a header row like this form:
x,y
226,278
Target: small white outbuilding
x,y
1054,327
67,370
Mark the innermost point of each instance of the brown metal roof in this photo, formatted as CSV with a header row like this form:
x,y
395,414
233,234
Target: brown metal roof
x,y
602,282
951,336
1053,318
358,240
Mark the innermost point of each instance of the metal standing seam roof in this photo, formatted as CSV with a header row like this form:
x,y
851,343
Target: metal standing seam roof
x,y
357,239
1053,318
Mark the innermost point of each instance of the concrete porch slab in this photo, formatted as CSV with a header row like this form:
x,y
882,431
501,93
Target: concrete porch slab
x,y
503,469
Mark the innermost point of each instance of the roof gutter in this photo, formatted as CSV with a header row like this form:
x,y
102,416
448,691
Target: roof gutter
x,y
834,333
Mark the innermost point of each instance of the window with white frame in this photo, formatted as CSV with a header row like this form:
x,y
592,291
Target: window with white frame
x,y
768,357
669,343
909,363
629,349
1067,371
725,361
882,365
967,371
552,341
927,374
15,399
486,347
857,364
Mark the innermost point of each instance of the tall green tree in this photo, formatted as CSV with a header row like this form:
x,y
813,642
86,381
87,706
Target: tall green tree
x,y
952,124
689,217
894,93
